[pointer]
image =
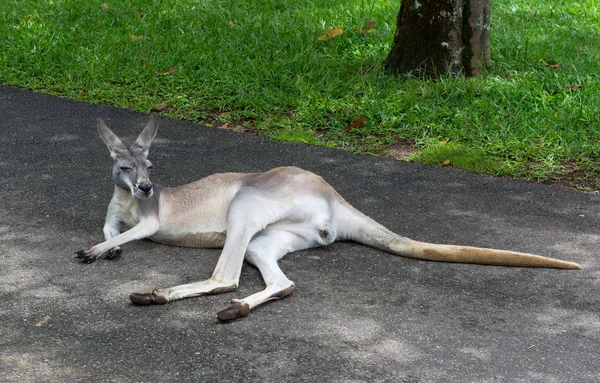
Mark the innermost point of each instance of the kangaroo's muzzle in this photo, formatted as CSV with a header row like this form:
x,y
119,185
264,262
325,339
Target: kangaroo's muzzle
x,y
143,189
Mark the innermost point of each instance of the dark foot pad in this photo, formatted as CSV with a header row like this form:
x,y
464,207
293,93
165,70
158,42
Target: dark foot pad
x,y
114,253
147,299
237,310
84,257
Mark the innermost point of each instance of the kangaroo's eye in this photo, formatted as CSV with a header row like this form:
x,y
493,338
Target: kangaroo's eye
x,y
125,168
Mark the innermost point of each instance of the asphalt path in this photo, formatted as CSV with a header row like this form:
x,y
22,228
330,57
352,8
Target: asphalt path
x,y
357,314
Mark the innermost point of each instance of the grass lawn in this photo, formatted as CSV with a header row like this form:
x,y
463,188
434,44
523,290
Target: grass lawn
x,y
259,66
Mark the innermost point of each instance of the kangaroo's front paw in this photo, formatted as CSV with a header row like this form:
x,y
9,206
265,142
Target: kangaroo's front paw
x,y
113,253
85,256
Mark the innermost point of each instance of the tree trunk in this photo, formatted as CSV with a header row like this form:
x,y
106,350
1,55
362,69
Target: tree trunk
x,y
434,38
476,37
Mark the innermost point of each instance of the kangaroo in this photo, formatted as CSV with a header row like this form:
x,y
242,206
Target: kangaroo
x,y
259,217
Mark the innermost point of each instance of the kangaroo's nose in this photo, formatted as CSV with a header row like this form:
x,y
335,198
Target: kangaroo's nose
x,y
145,187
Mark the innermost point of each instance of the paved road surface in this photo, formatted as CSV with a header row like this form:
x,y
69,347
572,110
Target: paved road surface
x,y
357,315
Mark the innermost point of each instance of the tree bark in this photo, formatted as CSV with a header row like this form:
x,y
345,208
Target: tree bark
x,y
476,37
436,37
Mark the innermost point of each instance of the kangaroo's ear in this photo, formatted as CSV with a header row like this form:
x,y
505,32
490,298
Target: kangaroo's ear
x,y
111,140
145,138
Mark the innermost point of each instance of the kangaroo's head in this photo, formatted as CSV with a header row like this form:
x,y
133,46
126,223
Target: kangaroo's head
x,y
131,170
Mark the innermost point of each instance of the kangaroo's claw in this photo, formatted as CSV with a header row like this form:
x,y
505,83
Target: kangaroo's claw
x,y
113,253
84,257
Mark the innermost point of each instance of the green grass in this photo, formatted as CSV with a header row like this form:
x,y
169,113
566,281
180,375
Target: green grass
x,y
261,61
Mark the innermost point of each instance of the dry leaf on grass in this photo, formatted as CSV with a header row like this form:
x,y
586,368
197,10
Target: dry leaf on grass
x,y
368,28
364,31
158,108
167,72
333,32
355,124
548,65
567,90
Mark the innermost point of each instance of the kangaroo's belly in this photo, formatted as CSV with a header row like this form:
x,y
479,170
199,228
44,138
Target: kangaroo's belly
x,y
195,214
203,239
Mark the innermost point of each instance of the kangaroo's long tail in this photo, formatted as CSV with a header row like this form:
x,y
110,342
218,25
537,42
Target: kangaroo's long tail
x,y
354,225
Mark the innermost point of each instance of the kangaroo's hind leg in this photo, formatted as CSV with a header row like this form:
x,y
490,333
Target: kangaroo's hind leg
x,y
263,252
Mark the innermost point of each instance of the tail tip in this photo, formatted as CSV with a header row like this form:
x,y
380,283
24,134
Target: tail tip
x,y
573,266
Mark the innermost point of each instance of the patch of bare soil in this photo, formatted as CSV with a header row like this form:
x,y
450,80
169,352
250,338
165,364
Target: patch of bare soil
x,y
223,121
574,176
402,149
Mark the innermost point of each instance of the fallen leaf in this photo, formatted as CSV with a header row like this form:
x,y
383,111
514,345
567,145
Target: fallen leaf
x,y
139,15
158,108
268,121
364,31
238,128
224,126
147,63
104,5
134,37
231,24
567,90
548,65
538,142
446,163
444,142
368,28
355,124
224,114
333,32
511,113
44,320
167,72
578,47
